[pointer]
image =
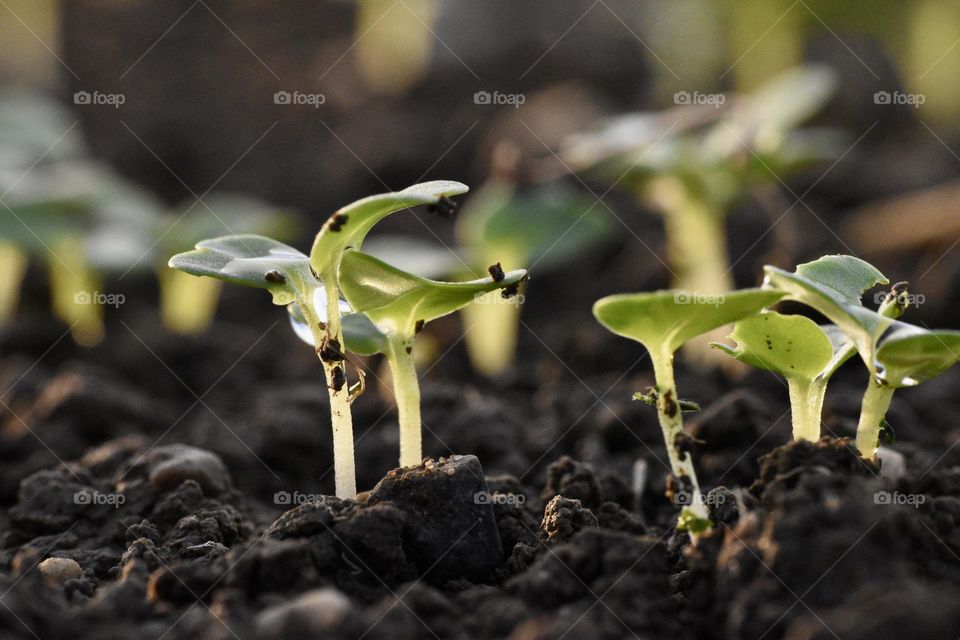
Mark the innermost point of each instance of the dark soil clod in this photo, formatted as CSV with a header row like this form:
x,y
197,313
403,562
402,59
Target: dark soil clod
x,y
496,272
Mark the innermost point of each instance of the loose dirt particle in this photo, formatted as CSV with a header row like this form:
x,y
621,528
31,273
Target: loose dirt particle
x,y
444,207
339,379
275,277
337,222
496,272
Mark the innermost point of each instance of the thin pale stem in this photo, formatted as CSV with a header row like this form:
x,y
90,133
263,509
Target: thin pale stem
x,y
75,291
806,407
406,393
13,266
671,423
876,401
187,303
341,420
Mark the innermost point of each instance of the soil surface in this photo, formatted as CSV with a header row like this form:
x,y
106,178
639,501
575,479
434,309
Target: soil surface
x,y
167,487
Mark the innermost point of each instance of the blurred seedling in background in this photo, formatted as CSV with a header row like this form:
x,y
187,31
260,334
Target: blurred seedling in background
x,y
694,163
86,221
310,288
662,322
895,353
61,207
543,228
187,304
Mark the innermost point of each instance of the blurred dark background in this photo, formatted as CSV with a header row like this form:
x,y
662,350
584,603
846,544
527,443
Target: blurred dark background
x,y
398,83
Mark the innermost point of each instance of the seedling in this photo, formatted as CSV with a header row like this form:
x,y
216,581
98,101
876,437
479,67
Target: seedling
x,y
804,353
399,304
309,287
693,164
662,322
895,353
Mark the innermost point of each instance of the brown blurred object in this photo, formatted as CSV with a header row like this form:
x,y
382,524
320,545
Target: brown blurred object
x,y
908,222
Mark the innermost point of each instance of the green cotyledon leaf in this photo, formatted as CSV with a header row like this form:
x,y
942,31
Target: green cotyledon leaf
x,y
396,301
347,228
793,346
252,261
910,355
833,285
664,320
257,261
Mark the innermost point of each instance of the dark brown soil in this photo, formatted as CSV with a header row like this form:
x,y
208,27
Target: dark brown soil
x,y
563,532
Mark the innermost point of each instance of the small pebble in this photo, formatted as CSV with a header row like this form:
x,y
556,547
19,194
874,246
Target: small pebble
x,y
56,571
314,612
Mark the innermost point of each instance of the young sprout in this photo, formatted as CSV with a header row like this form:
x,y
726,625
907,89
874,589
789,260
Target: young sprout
x,y
693,164
399,304
662,322
895,353
309,287
804,353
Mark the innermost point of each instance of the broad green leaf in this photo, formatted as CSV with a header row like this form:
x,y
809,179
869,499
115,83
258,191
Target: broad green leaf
x,y
793,346
833,286
664,320
347,228
397,301
909,355
252,261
